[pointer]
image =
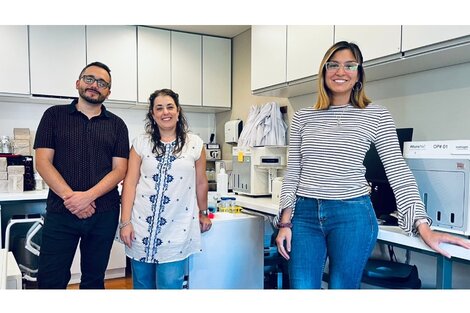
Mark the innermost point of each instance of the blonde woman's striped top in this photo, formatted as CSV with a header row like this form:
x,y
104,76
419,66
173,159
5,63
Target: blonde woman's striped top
x,y
326,154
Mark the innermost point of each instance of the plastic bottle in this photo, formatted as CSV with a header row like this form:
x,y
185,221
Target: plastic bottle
x,y
222,183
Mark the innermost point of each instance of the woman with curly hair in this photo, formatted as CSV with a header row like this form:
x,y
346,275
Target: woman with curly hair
x,y
164,196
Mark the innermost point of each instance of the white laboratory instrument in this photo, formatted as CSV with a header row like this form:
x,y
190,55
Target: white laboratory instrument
x,y
233,130
232,254
276,190
442,172
254,168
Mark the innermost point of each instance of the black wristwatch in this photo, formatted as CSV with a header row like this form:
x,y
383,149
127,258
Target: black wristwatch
x,y
203,212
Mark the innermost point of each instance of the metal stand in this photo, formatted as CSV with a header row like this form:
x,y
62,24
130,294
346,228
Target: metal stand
x,y
30,246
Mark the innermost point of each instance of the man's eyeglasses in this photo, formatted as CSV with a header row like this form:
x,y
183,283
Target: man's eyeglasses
x,y
89,80
348,66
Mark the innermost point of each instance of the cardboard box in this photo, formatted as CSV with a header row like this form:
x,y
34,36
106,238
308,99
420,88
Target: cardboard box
x,y
21,133
3,164
22,151
21,147
15,183
21,143
15,170
3,185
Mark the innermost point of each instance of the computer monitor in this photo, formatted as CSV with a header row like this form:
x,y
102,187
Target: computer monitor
x,y
382,196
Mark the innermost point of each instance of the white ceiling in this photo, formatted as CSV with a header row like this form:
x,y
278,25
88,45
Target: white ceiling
x,y
228,31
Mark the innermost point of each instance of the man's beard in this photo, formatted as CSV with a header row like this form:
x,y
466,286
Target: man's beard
x,y
99,100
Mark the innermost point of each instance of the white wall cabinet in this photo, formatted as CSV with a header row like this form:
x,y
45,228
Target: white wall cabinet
x,y
281,56
154,61
186,66
306,46
416,36
141,59
57,55
216,72
268,55
374,41
14,60
285,59
116,46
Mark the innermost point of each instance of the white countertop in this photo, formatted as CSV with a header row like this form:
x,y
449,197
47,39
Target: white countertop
x,y
395,235
391,234
223,217
26,195
260,204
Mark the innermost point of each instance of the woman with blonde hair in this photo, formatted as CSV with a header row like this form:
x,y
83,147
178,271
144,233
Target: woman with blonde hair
x,y
325,208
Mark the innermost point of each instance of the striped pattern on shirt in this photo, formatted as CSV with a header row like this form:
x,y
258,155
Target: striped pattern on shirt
x,y
326,154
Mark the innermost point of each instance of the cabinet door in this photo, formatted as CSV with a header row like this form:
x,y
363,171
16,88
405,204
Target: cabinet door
x,y
14,60
306,46
216,72
237,267
268,56
416,36
154,61
57,55
116,46
186,67
374,41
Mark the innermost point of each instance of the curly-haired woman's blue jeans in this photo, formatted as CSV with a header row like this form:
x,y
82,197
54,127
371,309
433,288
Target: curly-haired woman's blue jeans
x,y
345,231
158,276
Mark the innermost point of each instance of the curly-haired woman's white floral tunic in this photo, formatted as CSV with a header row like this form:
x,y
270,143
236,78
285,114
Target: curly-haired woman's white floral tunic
x,y
165,214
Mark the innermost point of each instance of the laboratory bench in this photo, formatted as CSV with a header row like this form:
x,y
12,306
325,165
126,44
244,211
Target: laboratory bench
x,y
389,235
33,204
232,256
226,231
394,236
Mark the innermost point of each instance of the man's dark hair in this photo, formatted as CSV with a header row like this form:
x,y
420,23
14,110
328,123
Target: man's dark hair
x,y
97,64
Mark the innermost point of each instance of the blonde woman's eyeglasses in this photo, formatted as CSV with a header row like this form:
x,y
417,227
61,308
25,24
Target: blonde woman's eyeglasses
x,y
348,66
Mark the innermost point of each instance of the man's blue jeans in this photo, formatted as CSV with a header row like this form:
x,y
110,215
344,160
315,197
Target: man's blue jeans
x,y
158,276
345,231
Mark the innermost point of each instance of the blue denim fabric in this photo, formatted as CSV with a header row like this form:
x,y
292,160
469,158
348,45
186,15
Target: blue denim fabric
x,y
158,276
345,231
60,236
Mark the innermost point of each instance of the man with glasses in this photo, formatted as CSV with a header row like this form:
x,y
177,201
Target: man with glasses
x,y
81,153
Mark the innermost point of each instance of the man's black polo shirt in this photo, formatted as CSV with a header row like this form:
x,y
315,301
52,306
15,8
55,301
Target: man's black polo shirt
x,y
84,149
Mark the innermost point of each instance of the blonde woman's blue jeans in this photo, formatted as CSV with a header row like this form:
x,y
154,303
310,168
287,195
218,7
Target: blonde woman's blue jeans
x,y
345,231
